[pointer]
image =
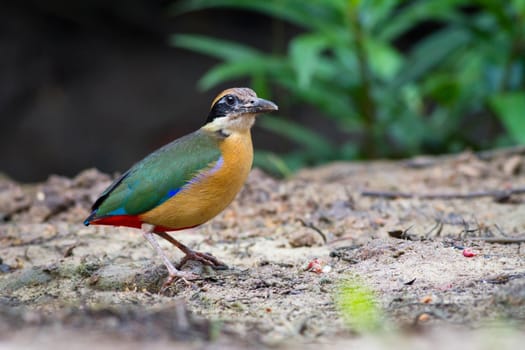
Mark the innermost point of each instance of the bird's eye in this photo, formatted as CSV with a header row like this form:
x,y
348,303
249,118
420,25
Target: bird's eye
x,y
230,100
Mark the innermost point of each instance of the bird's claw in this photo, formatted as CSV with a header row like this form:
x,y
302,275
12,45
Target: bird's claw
x,y
206,259
185,277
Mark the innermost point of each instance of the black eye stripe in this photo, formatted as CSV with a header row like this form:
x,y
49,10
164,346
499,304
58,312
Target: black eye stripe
x,y
225,105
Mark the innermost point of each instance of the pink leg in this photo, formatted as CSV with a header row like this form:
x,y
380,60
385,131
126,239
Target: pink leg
x,y
206,259
173,273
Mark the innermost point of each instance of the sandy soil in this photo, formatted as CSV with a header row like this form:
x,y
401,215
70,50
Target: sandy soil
x,y
63,283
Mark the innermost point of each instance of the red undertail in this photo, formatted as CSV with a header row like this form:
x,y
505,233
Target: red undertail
x,y
130,221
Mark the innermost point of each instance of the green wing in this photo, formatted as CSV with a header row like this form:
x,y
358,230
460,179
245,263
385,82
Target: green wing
x,y
159,176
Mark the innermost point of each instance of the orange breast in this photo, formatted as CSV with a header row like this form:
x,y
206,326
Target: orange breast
x,y
200,201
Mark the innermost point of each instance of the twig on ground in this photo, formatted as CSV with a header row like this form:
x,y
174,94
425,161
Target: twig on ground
x,y
425,162
500,240
497,195
501,231
499,153
313,227
439,226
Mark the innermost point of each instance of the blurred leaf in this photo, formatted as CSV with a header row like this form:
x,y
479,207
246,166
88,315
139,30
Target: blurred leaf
x,y
510,108
519,6
347,59
409,14
298,133
222,49
320,14
328,98
238,69
499,11
385,61
349,150
260,84
224,72
443,88
373,12
304,54
272,163
430,52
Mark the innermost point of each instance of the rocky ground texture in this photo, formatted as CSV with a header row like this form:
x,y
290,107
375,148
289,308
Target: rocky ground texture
x,y
438,241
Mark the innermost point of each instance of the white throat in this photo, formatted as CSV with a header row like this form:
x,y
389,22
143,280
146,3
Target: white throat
x,y
231,124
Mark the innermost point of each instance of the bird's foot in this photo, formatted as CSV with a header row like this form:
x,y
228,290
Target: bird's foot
x,y
206,259
177,275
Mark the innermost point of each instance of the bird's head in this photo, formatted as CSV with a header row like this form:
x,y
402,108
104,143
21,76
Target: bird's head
x,y
235,110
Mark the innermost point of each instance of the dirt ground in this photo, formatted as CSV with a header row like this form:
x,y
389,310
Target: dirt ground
x,y
437,240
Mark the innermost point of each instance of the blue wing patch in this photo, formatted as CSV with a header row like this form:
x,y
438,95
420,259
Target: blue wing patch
x,y
119,211
170,194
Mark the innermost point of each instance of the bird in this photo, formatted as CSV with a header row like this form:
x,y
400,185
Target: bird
x,y
188,181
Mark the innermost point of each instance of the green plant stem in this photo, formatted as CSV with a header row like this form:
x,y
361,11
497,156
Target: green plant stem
x,y
365,103
516,49
278,37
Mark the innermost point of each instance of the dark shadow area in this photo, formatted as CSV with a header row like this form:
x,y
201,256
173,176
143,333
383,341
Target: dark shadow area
x,y
96,83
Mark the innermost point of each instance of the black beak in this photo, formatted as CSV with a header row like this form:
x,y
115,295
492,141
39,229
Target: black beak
x,y
260,105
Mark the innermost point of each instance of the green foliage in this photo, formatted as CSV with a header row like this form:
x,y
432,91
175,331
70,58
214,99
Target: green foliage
x,y
358,306
511,107
387,102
